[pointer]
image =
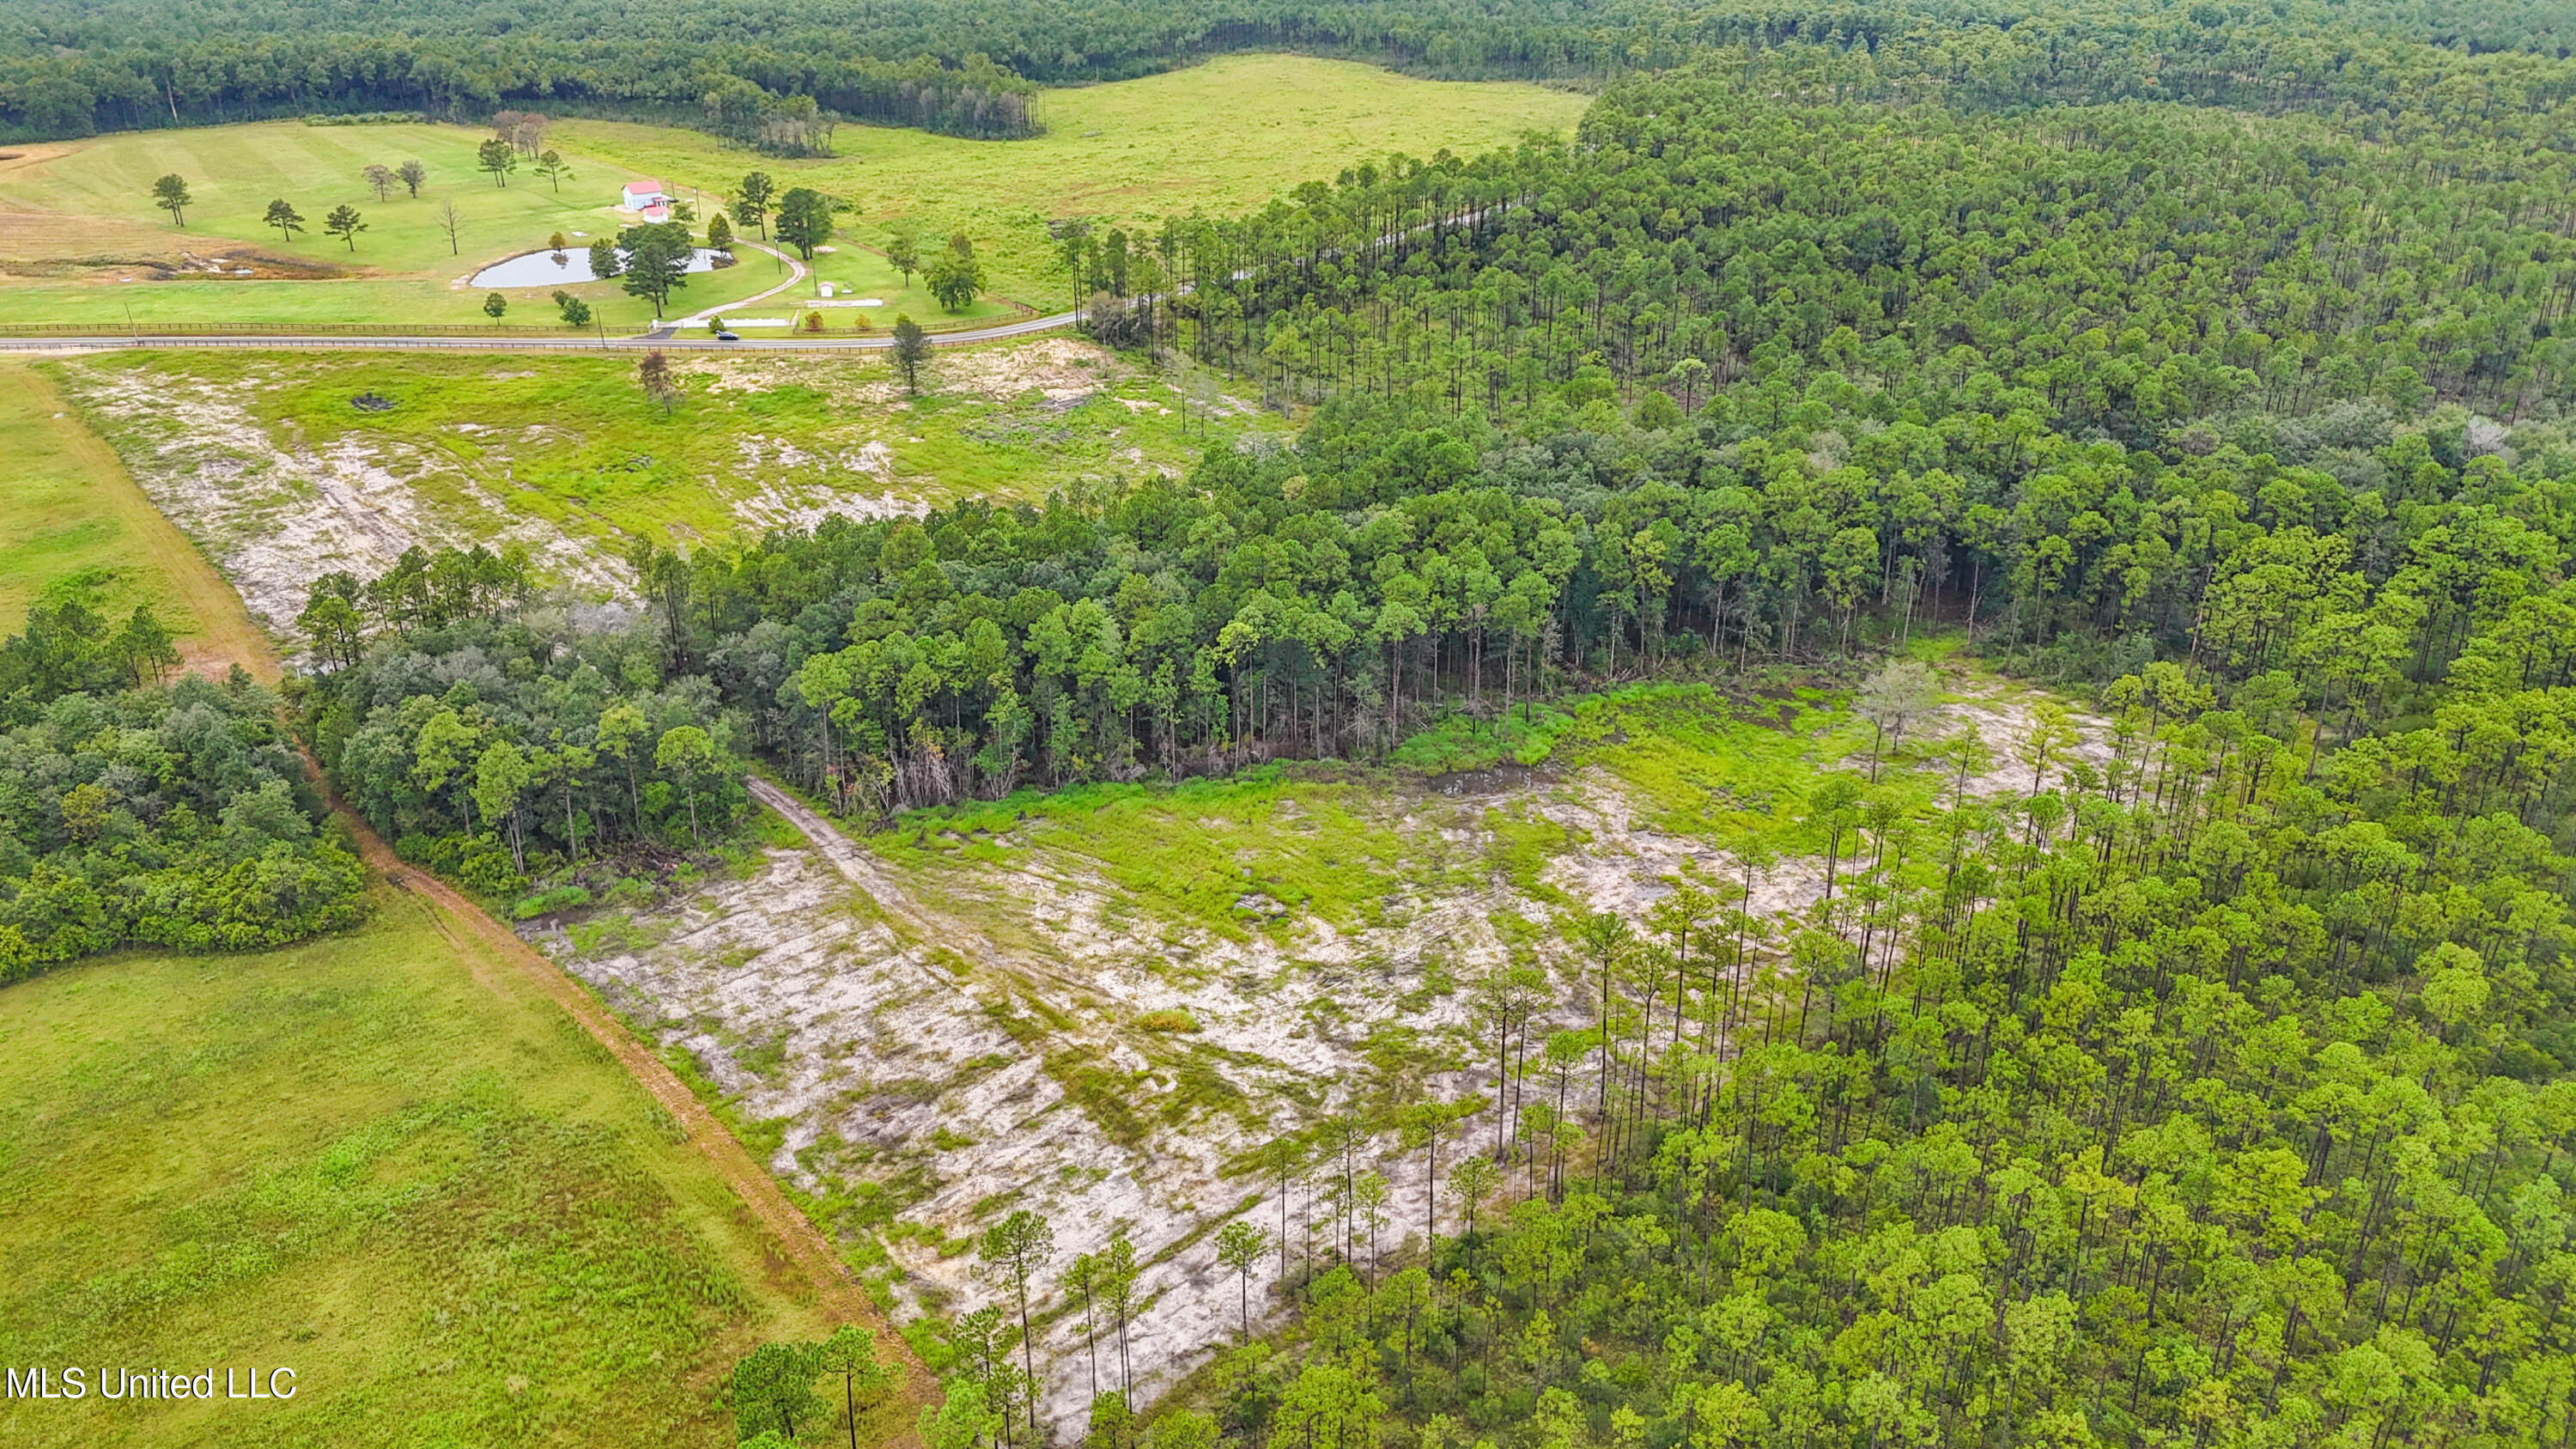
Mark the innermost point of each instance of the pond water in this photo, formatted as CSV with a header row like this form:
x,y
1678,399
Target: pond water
x,y
561,269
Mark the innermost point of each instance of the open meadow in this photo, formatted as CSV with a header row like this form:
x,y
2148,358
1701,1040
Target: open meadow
x,y
82,241
1222,137
382,1160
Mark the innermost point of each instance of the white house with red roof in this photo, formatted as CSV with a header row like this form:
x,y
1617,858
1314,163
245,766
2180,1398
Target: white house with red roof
x,y
646,197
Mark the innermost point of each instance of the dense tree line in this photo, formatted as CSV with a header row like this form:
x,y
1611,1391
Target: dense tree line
x,y
747,92
138,813
2123,269
489,738
1398,566
967,66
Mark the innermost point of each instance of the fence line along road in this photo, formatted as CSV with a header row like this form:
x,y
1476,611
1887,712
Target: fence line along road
x,y
336,341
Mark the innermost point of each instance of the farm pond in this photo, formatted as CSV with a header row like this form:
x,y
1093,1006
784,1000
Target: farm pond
x,y
563,269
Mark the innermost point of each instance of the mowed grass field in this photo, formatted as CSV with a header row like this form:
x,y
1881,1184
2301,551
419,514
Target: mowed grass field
x,y
79,219
384,1161
1221,137
856,274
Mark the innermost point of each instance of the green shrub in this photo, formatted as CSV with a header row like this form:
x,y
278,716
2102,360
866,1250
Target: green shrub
x,y
432,851
368,118
626,890
546,902
483,864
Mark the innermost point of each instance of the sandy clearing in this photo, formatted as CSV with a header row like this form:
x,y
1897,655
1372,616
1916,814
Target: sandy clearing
x,y
276,516
931,1037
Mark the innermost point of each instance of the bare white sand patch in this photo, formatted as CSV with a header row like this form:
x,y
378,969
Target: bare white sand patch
x,y
1065,371
275,515
790,504
759,451
2000,712
972,1039
1626,866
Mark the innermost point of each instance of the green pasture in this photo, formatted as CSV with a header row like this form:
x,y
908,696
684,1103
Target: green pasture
x,y
1221,137
63,535
75,528
860,273
384,1161
234,172
402,268
362,300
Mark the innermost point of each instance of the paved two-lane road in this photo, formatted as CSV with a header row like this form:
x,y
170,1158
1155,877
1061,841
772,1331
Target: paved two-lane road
x,y
569,343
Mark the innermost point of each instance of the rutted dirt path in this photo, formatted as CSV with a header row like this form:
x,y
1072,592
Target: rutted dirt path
x,y
860,870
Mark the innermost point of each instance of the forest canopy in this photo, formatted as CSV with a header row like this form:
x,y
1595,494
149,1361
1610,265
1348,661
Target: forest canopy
x,y
76,67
